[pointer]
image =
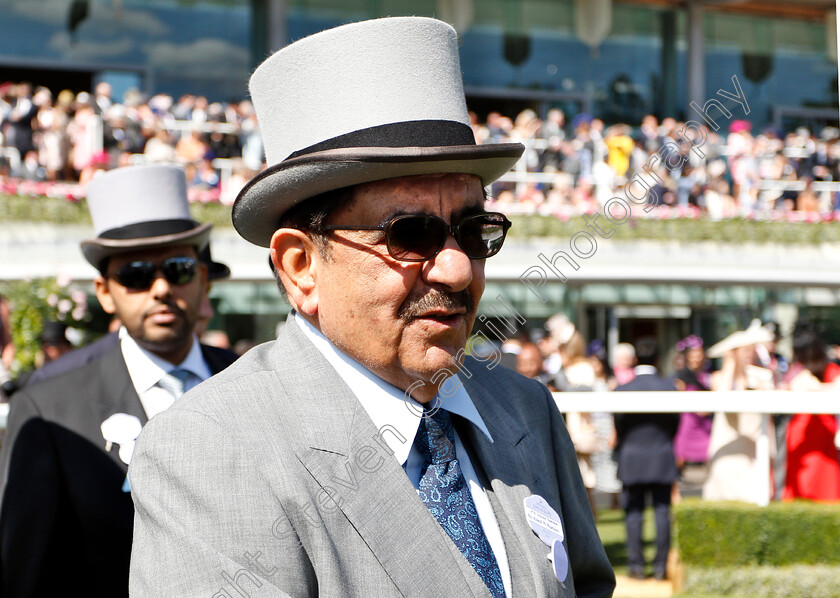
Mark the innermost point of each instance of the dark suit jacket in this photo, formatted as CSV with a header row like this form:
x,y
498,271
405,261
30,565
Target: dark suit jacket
x,y
65,522
75,359
645,441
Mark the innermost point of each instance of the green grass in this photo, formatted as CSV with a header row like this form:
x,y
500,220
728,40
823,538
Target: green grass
x,y
733,230
614,537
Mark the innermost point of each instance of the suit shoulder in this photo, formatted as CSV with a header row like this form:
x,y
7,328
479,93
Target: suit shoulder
x,y
76,358
54,393
503,382
227,382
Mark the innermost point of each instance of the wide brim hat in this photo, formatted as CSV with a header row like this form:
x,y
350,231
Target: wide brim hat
x,y
140,207
215,270
753,335
359,103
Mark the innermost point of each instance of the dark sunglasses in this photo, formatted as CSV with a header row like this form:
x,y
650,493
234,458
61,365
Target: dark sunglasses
x,y
140,275
420,237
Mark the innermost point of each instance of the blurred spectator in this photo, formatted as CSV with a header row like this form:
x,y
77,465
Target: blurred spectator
x,y
205,176
54,345
84,130
646,464
691,444
191,148
768,357
529,363
7,347
813,468
576,372
624,361
160,148
216,338
734,472
102,97
603,463
53,142
20,119
54,341
30,168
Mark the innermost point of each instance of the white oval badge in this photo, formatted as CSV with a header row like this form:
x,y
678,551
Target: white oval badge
x,y
559,560
543,519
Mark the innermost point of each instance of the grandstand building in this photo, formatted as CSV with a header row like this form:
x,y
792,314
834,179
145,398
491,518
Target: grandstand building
x,y
619,59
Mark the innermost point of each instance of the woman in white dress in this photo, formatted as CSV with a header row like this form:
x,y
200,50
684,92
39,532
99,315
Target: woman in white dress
x,y
734,472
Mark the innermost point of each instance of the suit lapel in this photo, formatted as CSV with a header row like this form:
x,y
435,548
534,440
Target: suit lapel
x,y
343,451
508,465
116,395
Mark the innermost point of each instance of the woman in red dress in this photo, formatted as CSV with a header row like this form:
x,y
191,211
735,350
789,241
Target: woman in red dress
x,y
813,464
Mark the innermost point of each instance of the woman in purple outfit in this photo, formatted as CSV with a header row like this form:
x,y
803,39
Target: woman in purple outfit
x,y
691,444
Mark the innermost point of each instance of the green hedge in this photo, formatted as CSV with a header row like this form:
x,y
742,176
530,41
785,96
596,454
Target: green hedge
x,y
722,535
736,230
806,581
64,211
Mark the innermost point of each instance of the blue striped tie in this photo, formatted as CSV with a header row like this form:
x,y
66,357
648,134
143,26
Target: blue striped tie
x,y
444,491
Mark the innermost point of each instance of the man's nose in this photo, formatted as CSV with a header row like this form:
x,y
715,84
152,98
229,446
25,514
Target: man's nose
x,y
160,286
450,268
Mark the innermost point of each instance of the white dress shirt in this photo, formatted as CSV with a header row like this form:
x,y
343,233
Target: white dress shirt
x,y
387,405
146,369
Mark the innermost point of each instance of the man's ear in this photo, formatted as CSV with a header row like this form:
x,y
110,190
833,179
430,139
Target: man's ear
x,y
203,274
295,257
103,293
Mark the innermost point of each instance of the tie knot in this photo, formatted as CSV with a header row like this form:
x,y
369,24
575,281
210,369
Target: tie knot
x,y
175,381
436,437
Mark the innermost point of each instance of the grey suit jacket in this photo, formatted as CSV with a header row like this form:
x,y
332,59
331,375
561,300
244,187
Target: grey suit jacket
x,y
270,479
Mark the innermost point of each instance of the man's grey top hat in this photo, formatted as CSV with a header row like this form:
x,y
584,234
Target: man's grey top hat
x,y
359,103
140,207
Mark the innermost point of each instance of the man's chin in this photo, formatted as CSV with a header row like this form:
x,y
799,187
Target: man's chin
x,y
442,358
165,340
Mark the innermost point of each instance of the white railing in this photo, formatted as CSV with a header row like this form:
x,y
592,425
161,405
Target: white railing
x,y
766,402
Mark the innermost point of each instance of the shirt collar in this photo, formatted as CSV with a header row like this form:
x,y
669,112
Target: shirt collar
x,y
146,368
644,370
388,406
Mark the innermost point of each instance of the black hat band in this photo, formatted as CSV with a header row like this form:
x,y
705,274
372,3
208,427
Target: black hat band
x,y
148,229
414,133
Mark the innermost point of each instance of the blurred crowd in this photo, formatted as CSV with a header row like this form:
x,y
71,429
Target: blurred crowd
x,y
570,167
69,137
715,453
734,171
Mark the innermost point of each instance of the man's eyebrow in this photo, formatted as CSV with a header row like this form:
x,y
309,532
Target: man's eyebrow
x,y
456,216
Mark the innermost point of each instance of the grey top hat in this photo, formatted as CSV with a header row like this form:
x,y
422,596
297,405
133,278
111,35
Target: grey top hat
x,y
359,103
140,207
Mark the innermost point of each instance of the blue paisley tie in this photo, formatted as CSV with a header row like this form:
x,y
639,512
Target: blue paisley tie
x,y
445,492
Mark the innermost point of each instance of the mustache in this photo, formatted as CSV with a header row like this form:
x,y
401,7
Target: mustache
x,y
171,306
433,299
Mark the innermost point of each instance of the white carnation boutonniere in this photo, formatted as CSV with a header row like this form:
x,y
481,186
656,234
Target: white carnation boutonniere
x,y
121,429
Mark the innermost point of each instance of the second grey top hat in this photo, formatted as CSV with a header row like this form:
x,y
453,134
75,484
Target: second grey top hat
x,y
362,102
140,207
